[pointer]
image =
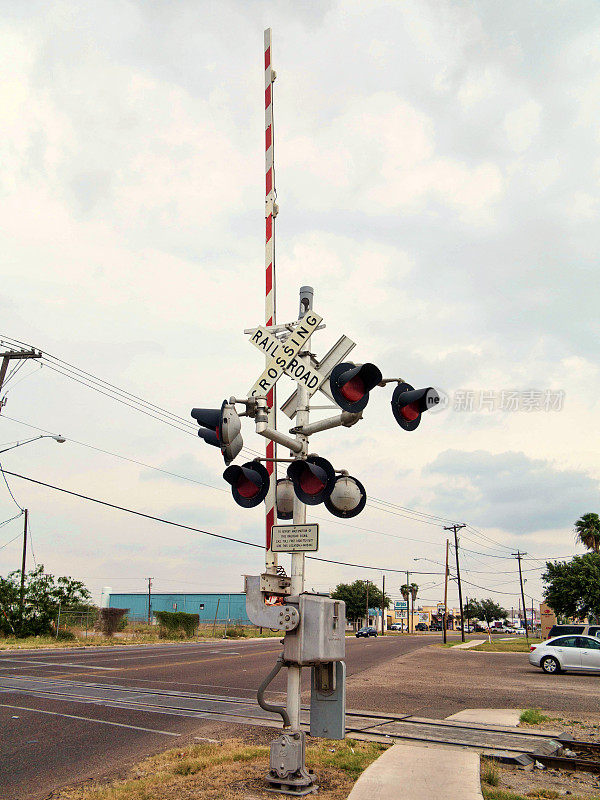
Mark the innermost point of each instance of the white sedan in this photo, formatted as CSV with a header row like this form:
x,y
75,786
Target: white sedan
x,y
567,653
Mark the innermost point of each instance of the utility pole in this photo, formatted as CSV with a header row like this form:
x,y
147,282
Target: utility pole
x,y
408,614
367,608
519,555
445,621
22,596
383,607
456,528
12,355
149,600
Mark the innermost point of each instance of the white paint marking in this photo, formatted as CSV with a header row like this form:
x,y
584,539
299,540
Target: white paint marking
x,y
89,719
54,664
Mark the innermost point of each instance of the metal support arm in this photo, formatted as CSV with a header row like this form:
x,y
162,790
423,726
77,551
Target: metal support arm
x,y
346,418
275,436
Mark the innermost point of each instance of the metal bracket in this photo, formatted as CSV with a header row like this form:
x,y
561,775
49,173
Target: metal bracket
x,y
282,616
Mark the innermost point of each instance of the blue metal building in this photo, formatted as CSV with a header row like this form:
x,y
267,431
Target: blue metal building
x,y
207,605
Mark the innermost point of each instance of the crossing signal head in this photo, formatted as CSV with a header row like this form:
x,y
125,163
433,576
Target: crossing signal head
x,y
220,428
350,385
408,404
347,498
284,498
313,479
249,483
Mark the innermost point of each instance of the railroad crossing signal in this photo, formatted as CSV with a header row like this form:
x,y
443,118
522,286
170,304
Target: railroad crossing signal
x,y
408,404
350,385
220,428
313,479
249,483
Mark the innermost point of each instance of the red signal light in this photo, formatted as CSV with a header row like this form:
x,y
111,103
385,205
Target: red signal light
x,y
410,412
354,389
313,479
350,384
249,483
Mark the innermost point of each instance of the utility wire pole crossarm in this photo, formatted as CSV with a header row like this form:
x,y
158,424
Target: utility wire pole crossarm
x,y
12,355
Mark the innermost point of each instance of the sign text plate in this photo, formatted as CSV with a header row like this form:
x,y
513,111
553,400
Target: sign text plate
x,y
295,538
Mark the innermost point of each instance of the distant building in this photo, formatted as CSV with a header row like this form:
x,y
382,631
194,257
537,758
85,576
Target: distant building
x,y
208,605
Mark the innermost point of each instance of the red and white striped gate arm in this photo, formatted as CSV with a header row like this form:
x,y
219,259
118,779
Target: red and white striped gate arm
x,y
270,557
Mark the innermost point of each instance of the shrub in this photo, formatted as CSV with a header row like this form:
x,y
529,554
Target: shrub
x,y
533,716
110,619
176,623
66,635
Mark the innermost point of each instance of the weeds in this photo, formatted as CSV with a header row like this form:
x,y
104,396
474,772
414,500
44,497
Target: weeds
x,y
533,716
490,773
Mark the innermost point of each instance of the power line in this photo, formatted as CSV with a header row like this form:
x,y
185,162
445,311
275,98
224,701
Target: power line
x,y
10,490
191,527
18,536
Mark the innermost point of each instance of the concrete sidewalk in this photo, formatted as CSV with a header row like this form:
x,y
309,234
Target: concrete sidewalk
x,y
414,772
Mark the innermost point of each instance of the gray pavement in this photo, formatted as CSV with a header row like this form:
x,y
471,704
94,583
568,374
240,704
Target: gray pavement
x,y
51,737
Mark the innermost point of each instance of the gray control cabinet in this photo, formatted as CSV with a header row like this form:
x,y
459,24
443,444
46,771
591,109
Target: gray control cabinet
x,y
321,634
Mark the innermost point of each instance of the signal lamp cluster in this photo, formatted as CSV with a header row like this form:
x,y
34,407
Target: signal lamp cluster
x,y
312,479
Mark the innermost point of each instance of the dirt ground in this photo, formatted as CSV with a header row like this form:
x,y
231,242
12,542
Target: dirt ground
x,y
553,782
228,769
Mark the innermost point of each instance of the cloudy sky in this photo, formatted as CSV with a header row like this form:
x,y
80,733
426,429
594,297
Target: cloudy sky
x,y
437,170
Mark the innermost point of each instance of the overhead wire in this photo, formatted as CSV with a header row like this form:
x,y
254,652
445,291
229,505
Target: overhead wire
x,y
135,402
193,528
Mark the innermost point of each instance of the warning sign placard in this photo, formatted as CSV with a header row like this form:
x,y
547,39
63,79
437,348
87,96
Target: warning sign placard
x,y
294,538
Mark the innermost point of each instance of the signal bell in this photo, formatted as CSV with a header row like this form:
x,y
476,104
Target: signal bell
x,y
220,428
249,483
348,497
284,501
408,404
350,385
313,479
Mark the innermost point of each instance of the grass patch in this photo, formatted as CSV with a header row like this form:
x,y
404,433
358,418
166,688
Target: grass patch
x,y
493,793
230,770
96,640
490,773
520,645
533,716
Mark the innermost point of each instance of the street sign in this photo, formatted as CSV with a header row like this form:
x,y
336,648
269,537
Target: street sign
x,y
441,608
400,604
299,369
282,353
295,538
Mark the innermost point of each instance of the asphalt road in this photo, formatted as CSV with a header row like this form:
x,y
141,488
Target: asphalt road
x,y
71,715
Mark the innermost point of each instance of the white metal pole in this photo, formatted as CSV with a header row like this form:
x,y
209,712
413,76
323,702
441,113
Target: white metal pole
x,y
297,570
270,319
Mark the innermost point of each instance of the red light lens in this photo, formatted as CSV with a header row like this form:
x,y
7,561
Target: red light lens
x,y
311,483
246,488
217,432
410,412
354,389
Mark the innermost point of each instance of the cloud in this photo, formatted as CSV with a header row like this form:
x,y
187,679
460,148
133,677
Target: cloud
x,y
512,491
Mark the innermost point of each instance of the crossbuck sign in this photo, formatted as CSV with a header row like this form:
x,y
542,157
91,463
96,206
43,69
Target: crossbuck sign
x,y
284,357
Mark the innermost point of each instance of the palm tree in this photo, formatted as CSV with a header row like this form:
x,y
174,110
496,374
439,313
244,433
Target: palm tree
x,y
587,531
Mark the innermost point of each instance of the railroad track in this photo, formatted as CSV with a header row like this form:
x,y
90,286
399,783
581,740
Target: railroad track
x,y
510,745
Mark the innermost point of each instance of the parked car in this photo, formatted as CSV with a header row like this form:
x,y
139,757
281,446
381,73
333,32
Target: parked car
x,y
366,630
564,630
436,626
396,626
421,626
567,653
